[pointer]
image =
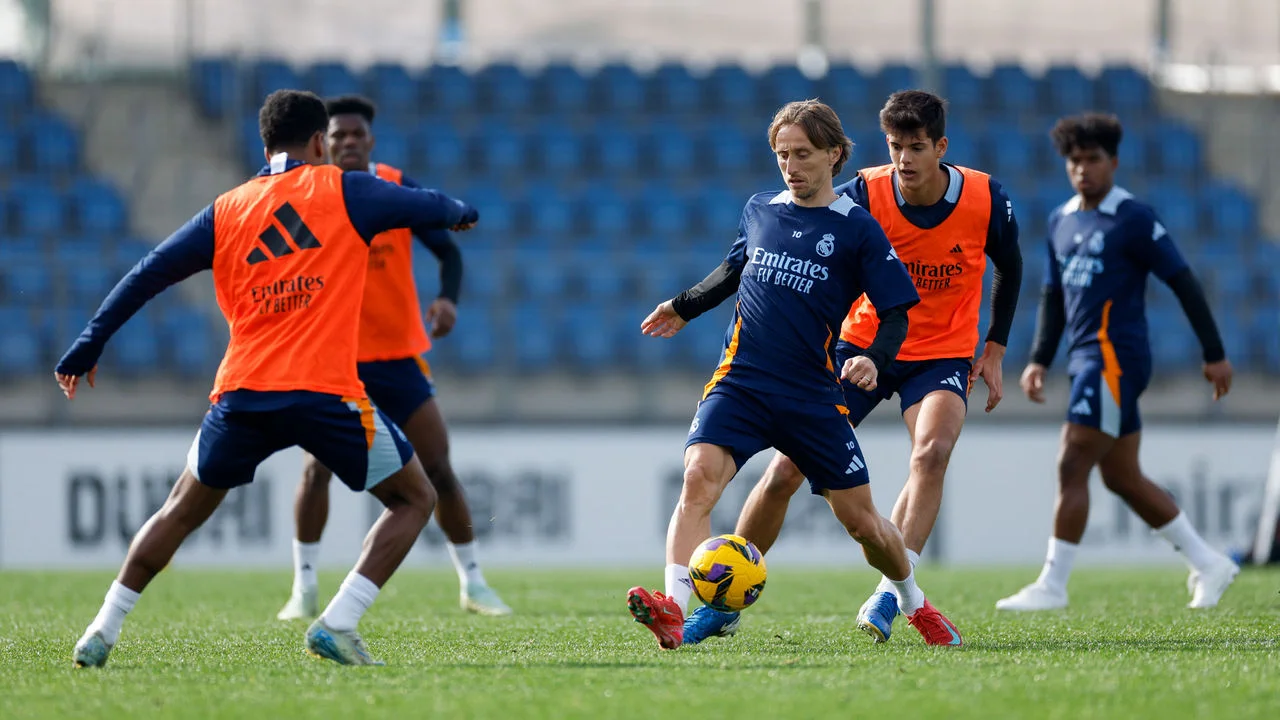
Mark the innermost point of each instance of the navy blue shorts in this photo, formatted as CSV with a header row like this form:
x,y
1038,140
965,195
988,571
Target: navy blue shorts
x,y
910,379
350,437
817,437
398,387
1106,401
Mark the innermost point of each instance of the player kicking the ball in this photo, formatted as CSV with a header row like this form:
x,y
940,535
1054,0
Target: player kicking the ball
x,y
397,379
944,221
1102,245
801,258
288,251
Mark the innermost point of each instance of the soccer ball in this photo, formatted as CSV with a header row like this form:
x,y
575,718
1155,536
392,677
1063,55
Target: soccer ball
x,y
727,573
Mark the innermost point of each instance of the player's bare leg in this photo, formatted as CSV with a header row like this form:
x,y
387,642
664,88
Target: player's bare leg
x,y
766,507
1081,449
883,547
189,504
409,501
1211,571
934,425
707,471
310,515
429,436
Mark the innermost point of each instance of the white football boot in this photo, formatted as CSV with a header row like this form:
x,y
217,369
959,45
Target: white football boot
x,y
1207,587
1036,596
301,606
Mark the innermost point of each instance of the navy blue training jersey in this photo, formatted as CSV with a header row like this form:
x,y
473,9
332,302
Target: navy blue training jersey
x,y
1101,258
802,268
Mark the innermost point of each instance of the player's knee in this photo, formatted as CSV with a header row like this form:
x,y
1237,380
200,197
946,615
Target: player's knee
x,y
782,479
443,481
314,472
929,458
864,527
701,489
1074,466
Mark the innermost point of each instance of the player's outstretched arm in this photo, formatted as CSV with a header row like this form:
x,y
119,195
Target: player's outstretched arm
x,y
1051,321
185,253
714,289
375,206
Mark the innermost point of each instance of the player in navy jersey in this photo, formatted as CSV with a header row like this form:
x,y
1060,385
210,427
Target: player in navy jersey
x,y
1102,246
944,221
802,256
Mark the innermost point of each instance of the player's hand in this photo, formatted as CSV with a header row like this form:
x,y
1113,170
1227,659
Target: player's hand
x,y
442,314
1219,375
68,383
1033,382
860,371
664,321
990,367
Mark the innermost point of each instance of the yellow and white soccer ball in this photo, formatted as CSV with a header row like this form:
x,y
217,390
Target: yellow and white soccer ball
x,y
728,573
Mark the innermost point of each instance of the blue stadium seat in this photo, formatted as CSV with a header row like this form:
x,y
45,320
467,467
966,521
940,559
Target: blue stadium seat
x,y
732,89
1134,156
895,77
20,351
441,151
499,215
475,341
719,211
648,355
674,90
1012,91
667,212
97,206
1010,151
505,87
394,90
189,337
962,148
1176,208
486,274
1229,211
1125,91
785,83
503,149
552,215
127,252
561,149
1172,342
1235,339
671,149
87,284
17,91
731,150
450,89
1264,333
20,249
963,89
598,275
869,149
1067,90
270,75
592,336
215,83
251,144
65,324
619,89
53,144
846,90
657,273
608,215
563,89
39,209
136,350
1223,271
617,151
333,78
533,335
393,146
1178,148
542,274
9,156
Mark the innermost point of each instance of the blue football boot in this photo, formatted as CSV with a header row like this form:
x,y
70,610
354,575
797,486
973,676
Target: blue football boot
x,y
706,622
877,614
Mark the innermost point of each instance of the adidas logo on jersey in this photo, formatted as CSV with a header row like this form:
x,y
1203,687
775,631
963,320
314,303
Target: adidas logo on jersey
x,y
275,242
957,248
855,465
1082,407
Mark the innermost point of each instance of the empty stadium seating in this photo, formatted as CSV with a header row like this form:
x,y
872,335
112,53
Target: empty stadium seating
x,y
64,242
603,192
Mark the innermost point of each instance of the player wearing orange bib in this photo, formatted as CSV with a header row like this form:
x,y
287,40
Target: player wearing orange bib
x,y
943,221
396,377
288,250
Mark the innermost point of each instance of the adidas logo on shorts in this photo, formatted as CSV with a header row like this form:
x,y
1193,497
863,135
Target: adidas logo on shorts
x,y
1081,408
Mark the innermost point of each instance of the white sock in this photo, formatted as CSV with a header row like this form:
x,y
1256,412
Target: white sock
x,y
118,603
464,561
304,566
1184,538
910,596
1057,564
347,607
886,585
679,587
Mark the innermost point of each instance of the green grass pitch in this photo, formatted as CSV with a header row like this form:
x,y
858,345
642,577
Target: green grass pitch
x,y
205,644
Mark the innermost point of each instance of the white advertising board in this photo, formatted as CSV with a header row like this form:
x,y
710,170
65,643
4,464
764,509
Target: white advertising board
x,y
571,497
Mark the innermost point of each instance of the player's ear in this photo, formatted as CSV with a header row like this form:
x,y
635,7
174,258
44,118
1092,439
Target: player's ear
x,y
318,147
941,146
